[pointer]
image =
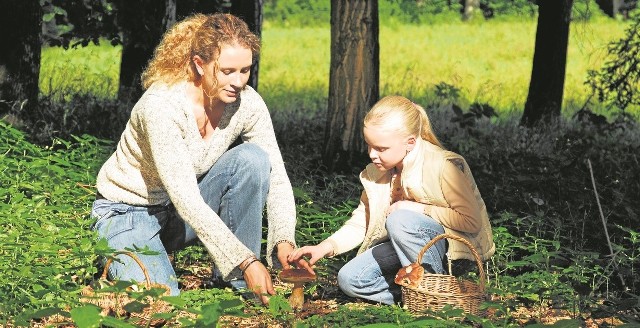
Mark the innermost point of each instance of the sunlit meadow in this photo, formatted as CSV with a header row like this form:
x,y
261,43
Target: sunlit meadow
x,y
488,61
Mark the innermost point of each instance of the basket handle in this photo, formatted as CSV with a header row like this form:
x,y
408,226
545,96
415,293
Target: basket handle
x,y
437,238
135,258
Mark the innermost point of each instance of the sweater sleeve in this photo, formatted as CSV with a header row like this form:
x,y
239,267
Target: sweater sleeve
x,y
352,233
463,213
168,151
281,210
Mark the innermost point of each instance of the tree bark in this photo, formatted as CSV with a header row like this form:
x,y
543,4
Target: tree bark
x,y
353,78
544,101
21,23
142,27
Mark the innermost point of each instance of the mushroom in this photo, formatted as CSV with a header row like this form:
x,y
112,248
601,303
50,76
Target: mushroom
x,y
298,277
410,275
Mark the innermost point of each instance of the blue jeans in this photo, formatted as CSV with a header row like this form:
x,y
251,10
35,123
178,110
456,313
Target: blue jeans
x,y
235,188
370,275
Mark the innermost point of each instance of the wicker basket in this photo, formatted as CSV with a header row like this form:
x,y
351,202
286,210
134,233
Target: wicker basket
x,y
435,291
114,302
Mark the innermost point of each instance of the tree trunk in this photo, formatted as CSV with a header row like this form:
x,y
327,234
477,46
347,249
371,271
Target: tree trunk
x,y
353,79
250,11
544,101
21,23
142,27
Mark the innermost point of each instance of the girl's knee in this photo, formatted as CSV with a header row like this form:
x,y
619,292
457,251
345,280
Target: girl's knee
x,y
398,222
346,282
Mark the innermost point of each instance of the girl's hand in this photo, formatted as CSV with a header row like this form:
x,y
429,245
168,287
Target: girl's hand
x,y
406,205
284,251
314,253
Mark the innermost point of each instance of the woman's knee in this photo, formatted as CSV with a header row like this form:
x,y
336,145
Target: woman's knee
x,y
254,159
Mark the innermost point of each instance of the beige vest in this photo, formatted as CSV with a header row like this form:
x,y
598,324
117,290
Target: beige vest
x,y
421,179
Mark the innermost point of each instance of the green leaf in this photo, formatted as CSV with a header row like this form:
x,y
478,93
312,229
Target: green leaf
x,y
48,17
174,300
87,316
46,312
380,325
135,306
115,323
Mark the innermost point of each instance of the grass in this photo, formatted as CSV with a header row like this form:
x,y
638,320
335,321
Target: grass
x,y
90,70
488,61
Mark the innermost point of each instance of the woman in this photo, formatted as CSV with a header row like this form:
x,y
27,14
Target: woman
x,y
414,190
174,179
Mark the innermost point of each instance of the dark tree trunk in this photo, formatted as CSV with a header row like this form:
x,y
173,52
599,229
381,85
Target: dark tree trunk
x,y
21,26
142,27
544,101
353,79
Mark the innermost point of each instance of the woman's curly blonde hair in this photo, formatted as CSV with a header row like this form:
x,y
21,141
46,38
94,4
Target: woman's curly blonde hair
x,y
199,34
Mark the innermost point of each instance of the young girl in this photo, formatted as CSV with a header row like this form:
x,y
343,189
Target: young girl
x,y
414,190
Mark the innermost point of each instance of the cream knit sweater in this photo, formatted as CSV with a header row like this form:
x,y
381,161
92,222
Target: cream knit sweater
x,y
161,155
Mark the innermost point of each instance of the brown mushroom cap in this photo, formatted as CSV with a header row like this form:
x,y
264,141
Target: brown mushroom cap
x,y
410,275
296,275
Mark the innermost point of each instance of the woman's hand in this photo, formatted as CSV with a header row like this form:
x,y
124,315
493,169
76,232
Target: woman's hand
x,y
406,205
259,281
314,253
284,251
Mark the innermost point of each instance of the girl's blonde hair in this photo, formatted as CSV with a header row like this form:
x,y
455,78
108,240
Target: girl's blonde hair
x,y
400,115
199,34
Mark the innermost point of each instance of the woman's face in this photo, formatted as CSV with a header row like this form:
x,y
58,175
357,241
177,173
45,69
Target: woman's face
x,y
234,66
386,149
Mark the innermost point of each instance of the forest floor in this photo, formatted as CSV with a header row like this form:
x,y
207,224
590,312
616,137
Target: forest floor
x,y
329,298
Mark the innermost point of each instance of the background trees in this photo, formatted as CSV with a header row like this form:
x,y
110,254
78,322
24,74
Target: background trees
x,y
139,24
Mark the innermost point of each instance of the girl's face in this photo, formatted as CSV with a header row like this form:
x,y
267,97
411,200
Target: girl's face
x,y
387,149
234,66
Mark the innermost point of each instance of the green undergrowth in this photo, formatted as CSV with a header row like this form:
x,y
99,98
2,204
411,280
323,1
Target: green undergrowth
x,y
47,250
552,249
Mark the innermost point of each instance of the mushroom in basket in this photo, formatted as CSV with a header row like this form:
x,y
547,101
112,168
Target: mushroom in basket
x,y
410,275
